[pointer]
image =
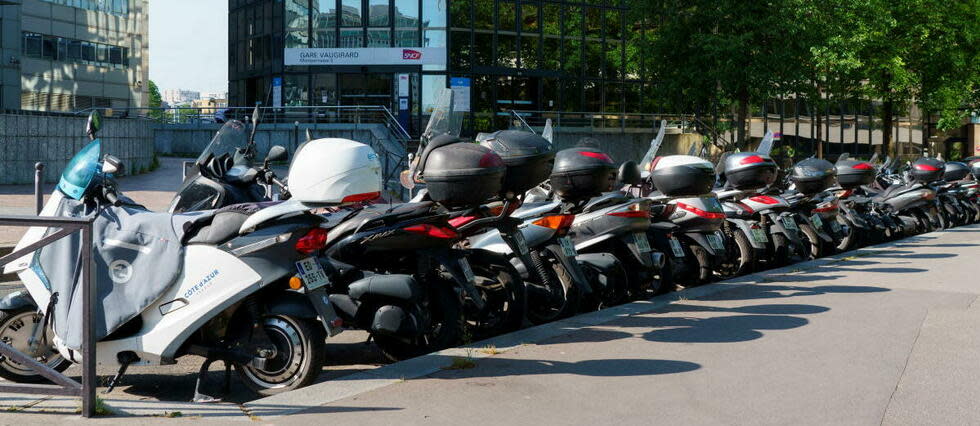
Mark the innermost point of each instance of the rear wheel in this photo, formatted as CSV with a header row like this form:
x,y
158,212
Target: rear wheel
x,y
552,295
299,356
16,327
781,250
741,259
812,243
503,293
851,239
702,273
441,325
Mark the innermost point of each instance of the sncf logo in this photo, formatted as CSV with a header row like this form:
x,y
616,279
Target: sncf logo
x,y
412,55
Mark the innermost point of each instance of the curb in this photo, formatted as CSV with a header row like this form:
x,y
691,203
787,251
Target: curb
x,y
358,383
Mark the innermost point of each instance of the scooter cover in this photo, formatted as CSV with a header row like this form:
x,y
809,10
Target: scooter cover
x,y
137,256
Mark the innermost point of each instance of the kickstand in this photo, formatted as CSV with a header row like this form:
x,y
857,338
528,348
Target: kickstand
x,y
125,359
199,395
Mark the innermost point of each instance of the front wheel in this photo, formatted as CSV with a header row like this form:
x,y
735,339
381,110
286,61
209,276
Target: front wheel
x,y
16,327
441,325
299,356
552,295
503,292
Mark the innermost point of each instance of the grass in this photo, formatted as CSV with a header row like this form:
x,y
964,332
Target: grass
x,y
173,414
490,350
460,363
101,408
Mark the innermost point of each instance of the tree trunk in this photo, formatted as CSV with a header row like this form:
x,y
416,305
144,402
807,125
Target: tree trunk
x,y
743,112
819,135
887,121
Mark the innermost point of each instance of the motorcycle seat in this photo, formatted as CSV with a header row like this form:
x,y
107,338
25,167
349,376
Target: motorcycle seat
x,y
382,213
889,192
727,193
222,226
605,200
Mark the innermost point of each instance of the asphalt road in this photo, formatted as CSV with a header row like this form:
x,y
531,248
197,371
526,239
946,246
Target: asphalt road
x,y
885,338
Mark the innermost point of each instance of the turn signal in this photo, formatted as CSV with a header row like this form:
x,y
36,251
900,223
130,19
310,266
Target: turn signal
x,y
634,210
295,283
432,231
559,222
699,212
314,240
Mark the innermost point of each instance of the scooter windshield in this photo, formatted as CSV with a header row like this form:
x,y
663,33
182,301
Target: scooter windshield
x,y
81,170
654,147
231,139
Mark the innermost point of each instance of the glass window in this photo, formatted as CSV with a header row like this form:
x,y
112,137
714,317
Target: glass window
x,y
406,38
431,84
483,48
88,51
529,51
614,60
506,16
551,23
434,38
351,38
297,14
593,59
550,57
507,50
32,44
296,90
614,24
378,13
63,49
459,13
324,14
483,15
378,37
573,21
573,56
434,13
102,53
325,89
529,17
350,13
592,92
406,13
460,53
115,55
49,47
297,39
75,50
593,22
326,38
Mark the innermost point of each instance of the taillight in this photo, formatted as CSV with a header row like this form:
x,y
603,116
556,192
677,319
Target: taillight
x,y
314,240
432,231
699,212
862,166
747,209
752,159
926,168
559,222
653,165
597,155
764,199
846,193
456,222
367,196
491,159
634,210
826,208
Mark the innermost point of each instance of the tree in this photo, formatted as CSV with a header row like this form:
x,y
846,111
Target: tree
x,y
721,52
156,101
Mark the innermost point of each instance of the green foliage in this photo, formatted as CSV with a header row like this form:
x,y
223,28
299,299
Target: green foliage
x,y
156,101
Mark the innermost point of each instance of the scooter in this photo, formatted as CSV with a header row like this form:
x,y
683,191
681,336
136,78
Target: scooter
x,y
253,299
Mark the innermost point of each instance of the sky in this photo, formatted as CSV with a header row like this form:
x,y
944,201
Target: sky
x,y
189,44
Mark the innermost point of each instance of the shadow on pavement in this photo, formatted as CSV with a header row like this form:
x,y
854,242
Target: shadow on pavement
x,y
721,329
497,367
775,291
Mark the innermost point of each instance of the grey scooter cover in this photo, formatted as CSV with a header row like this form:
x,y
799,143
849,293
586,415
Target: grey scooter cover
x,y
137,255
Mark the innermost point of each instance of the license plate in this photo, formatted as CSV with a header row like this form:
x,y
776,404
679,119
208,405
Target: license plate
x,y
642,243
675,246
759,236
835,226
789,223
714,241
521,242
467,271
312,273
567,247
816,220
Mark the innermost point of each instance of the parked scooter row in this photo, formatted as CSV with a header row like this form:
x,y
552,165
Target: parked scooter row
x,y
258,271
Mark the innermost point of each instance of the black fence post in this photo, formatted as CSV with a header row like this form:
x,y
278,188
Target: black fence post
x,y
38,193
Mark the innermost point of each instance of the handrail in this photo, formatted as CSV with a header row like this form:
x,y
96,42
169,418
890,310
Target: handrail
x,y
63,384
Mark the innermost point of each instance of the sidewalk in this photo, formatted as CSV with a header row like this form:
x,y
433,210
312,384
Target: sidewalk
x,y
882,335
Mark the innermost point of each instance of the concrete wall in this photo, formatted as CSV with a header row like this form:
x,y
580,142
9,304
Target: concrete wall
x,y
624,146
27,139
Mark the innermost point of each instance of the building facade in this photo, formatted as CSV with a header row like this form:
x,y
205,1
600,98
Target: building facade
x,y
70,55
497,55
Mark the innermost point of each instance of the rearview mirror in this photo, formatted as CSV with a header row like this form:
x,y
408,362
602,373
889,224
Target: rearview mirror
x,y
94,123
629,174
276,153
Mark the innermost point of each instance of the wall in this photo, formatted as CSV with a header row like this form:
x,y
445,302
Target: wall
x,y
10,35
624,146
27,139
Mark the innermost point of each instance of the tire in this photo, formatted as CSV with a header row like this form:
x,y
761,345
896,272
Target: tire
x,y
503,291
298,361
743,260
555,300
781,250
666,279
442,323
703,273
813,242
15,329
850,241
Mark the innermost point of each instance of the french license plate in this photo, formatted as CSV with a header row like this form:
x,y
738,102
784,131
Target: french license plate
x,y
567,247
789,223
714,241
642,243
835,226
467,271
675,246
759,236
816,220
521,242
312,273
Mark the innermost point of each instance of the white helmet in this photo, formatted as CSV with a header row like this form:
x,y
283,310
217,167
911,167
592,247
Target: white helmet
x,y
334,171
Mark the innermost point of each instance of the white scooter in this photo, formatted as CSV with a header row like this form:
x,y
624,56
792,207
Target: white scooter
x,y
254,299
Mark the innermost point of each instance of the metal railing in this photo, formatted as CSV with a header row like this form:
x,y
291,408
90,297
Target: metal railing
x,y
602,120
62,385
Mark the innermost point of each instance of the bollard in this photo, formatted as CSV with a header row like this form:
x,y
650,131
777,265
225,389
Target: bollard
x,y
38,194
